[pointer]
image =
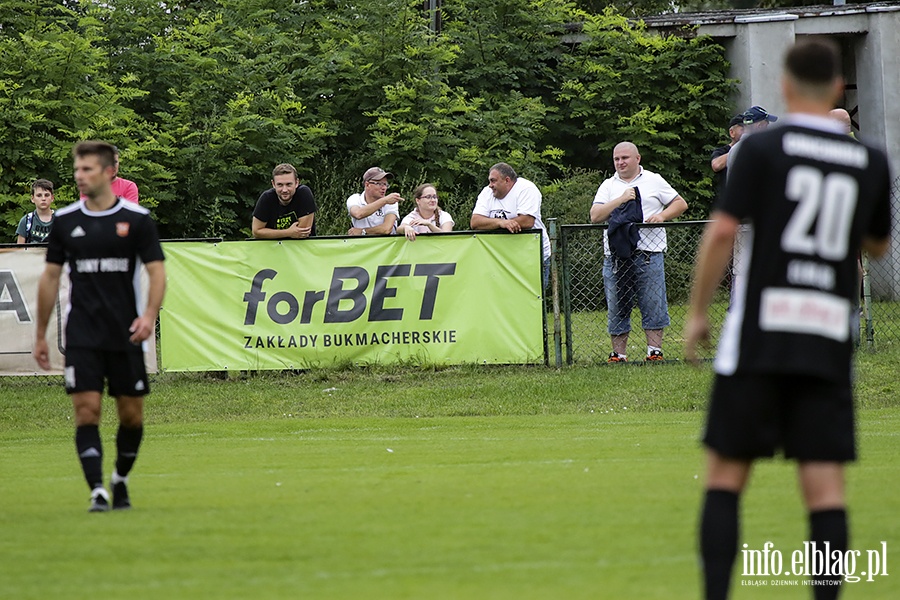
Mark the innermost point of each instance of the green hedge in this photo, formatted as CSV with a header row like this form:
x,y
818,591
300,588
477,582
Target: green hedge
x,y
204,100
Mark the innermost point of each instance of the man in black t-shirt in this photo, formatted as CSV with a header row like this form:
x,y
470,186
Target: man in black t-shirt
x,y
719,159
104,240
287,210
812,198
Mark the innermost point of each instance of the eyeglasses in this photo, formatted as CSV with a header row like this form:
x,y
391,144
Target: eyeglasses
x,y
429,197
383,184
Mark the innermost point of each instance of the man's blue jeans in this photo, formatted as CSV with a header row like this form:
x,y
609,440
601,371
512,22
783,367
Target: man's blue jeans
x,y
642,278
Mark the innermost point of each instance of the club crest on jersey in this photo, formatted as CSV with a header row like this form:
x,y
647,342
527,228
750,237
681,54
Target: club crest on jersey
x,y
122,229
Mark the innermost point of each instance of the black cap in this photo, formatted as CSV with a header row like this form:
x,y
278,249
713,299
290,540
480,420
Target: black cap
x,y
755,114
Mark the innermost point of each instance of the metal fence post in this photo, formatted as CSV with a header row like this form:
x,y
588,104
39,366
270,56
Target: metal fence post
x,y
553,233
566,292
867,302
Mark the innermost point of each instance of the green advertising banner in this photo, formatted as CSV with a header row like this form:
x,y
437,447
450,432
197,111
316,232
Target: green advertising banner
x,y
443,299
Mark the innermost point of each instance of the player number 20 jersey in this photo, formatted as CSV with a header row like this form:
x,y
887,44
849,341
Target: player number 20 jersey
x,y
810,195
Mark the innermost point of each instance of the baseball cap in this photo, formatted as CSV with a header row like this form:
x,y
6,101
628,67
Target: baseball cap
x,y
755,114
736,120
376,173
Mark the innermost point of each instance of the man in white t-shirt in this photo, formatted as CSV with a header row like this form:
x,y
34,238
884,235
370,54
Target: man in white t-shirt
x,y
513,203
644,267
374,211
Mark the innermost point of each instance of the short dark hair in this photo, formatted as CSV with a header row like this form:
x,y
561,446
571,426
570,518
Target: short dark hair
x,y
815,62
285,169
42,184
104,151
505,170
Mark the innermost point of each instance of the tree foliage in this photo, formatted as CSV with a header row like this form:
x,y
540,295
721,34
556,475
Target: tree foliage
x,y
665,95
203,98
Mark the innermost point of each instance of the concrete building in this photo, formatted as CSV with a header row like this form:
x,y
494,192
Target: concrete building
x,y
869,35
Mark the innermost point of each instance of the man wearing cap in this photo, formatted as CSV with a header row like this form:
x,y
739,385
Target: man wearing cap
x,y
756,118
719,161
374,211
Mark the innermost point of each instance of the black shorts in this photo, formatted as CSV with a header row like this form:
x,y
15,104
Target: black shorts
x,y
87,369
754,415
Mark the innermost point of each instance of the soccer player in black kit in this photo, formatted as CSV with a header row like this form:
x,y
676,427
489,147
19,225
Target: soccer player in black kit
x,y
104,240
813,197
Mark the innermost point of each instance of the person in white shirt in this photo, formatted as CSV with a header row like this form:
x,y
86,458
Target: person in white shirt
x,y
374,211
659,202
427,217
513,203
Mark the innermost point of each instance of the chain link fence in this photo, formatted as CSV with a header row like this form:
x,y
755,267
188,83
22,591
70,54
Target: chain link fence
x,y
590,282
880,310
656,280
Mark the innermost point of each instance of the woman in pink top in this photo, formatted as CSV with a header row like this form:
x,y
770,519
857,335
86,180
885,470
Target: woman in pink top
x,y
427,217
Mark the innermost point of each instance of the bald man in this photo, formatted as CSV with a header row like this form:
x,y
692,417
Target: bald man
x,y
656,201
839,114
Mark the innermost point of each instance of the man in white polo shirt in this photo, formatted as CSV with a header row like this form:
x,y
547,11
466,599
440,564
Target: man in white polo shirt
x,y
513,203
658,202
374,211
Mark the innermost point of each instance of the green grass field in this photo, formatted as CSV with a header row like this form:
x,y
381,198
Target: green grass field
x,y
466,482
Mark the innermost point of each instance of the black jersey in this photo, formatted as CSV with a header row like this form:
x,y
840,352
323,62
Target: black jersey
x,y
810,194
104,252
278,216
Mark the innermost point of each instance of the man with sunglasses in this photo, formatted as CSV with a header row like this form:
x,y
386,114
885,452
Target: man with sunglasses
x,y
374,211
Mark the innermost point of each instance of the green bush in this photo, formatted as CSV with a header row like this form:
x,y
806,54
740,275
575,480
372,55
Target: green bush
x,y
203,101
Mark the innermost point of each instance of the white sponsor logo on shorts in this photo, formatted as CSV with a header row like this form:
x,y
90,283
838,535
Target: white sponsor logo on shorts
x,y
69,376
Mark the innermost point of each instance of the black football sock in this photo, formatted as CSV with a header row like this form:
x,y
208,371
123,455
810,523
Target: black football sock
x,y
828,526
128,440
718,541
90,452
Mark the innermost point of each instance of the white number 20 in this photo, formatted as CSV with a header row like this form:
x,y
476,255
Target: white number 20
x,y
826,202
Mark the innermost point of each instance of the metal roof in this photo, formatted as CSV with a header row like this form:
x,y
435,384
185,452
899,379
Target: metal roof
x,y
724,17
